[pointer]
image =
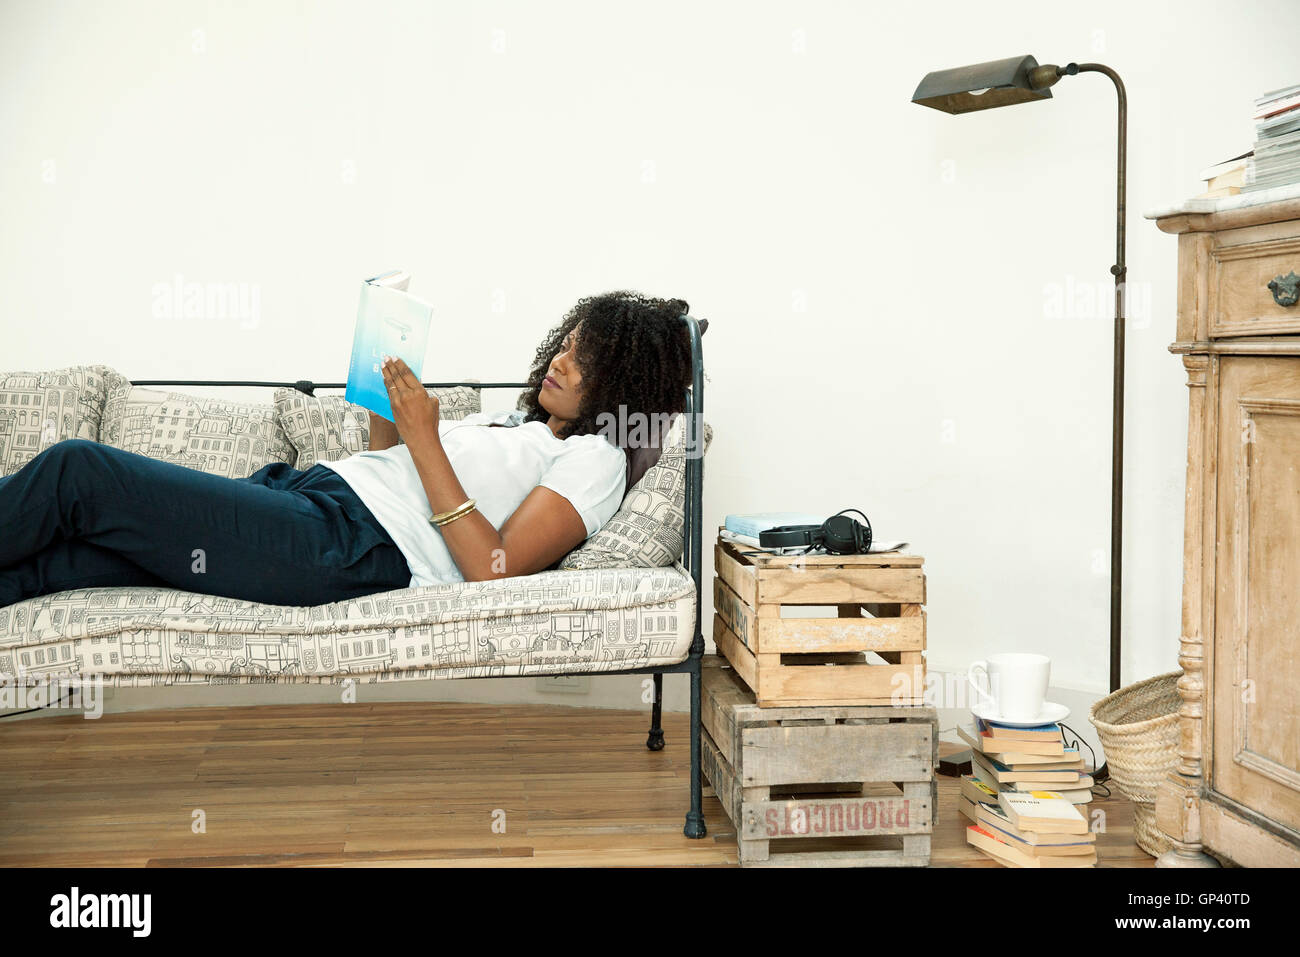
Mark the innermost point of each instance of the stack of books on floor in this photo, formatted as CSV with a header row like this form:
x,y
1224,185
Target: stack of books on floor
x,y
1024,794
1277,147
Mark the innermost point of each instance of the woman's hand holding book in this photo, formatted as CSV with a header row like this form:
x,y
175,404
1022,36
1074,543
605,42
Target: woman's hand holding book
x,y
415,411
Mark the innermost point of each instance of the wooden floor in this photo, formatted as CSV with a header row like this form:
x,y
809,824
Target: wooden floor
x,y
398,784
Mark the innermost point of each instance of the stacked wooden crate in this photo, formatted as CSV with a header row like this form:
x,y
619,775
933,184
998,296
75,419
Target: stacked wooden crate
x,y
823,786
794,660
816,739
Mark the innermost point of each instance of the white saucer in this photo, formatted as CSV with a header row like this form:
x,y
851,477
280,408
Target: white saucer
x,y
1051,713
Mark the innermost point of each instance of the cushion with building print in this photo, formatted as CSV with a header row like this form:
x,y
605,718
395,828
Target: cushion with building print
x,y
217,436
38,409
647,529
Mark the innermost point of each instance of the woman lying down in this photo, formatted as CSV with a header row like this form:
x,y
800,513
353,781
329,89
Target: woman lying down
x,y
489,496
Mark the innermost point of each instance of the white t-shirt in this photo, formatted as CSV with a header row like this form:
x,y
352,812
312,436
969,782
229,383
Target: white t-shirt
x,y
498,468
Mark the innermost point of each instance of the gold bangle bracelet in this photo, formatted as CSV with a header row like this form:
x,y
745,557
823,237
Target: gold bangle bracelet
x,y
458,515
442,518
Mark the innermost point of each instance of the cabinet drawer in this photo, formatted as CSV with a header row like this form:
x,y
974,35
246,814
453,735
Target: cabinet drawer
x,y
1241,303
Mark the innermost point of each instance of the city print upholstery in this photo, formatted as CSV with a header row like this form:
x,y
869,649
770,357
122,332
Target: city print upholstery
x,y
552,621
646,531
38,409
216,436
633,606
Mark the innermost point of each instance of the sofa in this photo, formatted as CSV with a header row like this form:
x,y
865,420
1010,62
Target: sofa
x,y
625,601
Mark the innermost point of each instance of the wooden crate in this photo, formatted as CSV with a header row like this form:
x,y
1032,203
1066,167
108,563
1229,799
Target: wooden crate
x,y
871,654
820,786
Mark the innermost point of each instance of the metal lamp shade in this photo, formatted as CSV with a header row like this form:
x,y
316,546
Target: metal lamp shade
x,y
958,90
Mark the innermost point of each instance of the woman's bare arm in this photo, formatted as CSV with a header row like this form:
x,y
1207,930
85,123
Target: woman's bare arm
x,y
541,531
383,434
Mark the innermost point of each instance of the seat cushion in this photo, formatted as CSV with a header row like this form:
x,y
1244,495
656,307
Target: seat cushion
x,y
328,427
588,621
646,531
216,436
38,409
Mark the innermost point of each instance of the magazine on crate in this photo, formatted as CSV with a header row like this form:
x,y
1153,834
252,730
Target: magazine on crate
x,y
390,321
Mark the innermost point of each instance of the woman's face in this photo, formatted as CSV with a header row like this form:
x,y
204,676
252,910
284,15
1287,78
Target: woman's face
x,y
562,389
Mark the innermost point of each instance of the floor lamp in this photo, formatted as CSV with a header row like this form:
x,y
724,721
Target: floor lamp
x,y
983,86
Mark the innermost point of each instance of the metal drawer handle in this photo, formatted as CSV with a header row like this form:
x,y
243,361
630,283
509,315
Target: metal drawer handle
x,y
1285,289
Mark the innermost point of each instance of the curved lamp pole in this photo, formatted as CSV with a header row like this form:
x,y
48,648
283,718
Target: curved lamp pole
x,y
983,86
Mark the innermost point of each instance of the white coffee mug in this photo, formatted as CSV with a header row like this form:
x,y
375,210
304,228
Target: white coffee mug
x,y
1016,684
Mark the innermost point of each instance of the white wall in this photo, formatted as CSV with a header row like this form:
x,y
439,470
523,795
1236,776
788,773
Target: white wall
x,y
879,277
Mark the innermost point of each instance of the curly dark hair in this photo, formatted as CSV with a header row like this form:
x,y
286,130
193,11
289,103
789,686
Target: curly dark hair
x,y
634,351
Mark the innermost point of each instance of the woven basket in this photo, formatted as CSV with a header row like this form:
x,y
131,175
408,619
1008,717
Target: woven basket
x,y
1138,728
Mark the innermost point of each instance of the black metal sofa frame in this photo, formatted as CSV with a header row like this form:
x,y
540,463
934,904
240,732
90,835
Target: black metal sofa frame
x,y
692,541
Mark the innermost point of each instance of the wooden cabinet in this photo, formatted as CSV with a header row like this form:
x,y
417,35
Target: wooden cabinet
x,y
1257,588
1236,790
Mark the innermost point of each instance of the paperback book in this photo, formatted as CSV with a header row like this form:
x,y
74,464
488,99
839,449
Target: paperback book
x,y
1006,732
390,321
1010,751
1079,792
1043,812
990,769
994,820
1006,852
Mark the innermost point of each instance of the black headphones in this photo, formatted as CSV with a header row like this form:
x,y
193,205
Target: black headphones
x,y
839,535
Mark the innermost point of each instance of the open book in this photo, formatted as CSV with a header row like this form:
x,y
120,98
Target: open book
x,y
391,322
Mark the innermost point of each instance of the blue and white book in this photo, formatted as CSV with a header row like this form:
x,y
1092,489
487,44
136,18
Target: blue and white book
x,y
390,321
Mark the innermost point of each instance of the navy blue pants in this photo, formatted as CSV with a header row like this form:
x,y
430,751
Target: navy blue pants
x,y
82,514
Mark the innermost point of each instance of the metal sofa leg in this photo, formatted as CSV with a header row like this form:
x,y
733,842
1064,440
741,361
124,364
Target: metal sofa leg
x,y
656,740
695,816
